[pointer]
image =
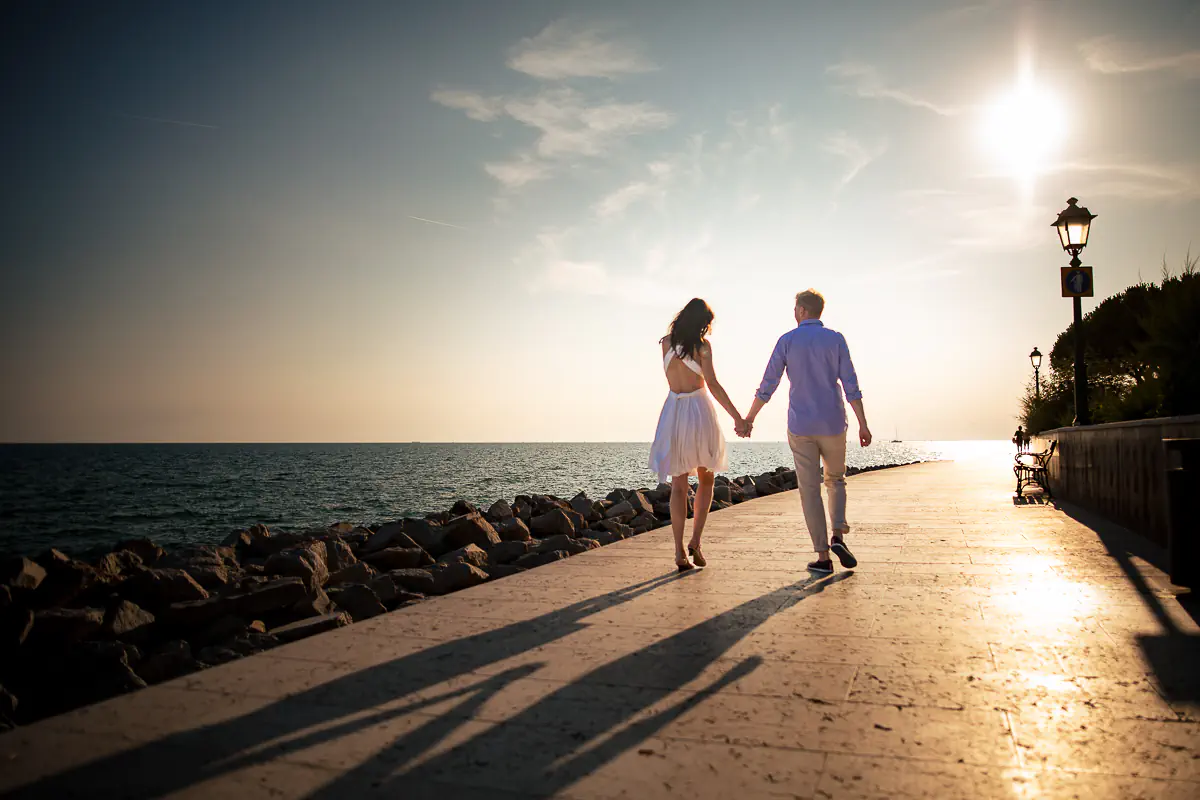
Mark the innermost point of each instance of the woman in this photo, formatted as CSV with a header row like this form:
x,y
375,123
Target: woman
x,y
688,440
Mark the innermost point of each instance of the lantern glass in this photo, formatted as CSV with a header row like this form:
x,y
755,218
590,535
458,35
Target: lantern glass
x,y
1035,358
1074,224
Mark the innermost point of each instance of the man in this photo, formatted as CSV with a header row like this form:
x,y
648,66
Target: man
x,y
1021,440
816,358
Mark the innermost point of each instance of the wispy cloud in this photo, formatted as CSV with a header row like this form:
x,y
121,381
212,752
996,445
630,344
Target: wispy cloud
x,y
573,49
858,154
475,105
568,125
437,222
1110,55
1136,180
517,172
864,80
166,121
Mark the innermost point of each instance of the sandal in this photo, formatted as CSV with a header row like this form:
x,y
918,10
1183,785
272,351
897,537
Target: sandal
x,y
697,556
684,565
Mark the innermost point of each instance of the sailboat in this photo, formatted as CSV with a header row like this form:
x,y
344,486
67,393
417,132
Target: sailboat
x,y
895,435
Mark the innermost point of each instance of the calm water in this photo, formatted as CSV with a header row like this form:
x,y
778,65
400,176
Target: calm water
x,y
82,496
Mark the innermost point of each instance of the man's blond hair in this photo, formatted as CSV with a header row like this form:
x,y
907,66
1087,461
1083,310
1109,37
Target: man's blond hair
x,y
811,301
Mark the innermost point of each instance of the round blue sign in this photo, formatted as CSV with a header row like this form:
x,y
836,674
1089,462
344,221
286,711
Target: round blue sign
x,y
1079,281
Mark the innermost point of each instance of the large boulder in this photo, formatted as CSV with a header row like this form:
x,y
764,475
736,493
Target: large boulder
x,y
506,552
640,502
417,581
468,529
21,574
156,588
643,522
309,627
272,597
313,605
621,511
499,511
66,579
606,537
146,550
119,564
514,529
452,577
359,601
391,534
559,542
498,571
55,629
195,614
581,545
556,521
522,509
307,562
471,554
581,505
213,567
462,508
398,558
126,621
15,627
531,560
264,543
426,534
338,555
173,660
360,572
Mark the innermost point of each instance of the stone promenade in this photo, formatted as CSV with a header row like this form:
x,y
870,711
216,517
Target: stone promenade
x,y
981,649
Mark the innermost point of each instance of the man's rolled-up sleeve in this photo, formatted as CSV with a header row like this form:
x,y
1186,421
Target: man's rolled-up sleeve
x,y
846,373
773,373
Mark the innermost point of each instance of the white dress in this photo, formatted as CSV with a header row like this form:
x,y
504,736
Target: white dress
x,y
688,434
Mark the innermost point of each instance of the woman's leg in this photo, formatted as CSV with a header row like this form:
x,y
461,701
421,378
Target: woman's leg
x,y
679,496
702,503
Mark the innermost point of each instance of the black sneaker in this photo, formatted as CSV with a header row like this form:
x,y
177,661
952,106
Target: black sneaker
x,y
843,553
824,567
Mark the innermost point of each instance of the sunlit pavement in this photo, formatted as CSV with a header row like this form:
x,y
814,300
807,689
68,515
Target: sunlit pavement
x,y
981,649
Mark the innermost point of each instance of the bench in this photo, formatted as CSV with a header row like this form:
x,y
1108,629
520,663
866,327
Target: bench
x,y
1030,469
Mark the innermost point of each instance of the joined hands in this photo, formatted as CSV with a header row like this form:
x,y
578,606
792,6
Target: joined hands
x,y
743,427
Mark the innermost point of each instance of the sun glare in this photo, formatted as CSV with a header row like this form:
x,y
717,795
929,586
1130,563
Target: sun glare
x,y
1024,129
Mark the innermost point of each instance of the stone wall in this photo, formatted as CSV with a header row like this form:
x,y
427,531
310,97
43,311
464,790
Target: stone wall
x,y
1117,469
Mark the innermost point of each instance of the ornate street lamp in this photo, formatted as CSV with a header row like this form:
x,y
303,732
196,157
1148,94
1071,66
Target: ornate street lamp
x,y
1035,358
1074,223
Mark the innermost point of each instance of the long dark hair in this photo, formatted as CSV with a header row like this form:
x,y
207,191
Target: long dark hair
x,y
689,328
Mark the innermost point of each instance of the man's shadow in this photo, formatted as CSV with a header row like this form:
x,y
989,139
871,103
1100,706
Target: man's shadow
x,y
335,709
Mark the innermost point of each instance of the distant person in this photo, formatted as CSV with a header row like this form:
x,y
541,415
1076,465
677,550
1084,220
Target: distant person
x,y
816,359
689,440
1020,439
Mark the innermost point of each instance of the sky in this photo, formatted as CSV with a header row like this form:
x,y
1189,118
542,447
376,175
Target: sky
x,y
375,221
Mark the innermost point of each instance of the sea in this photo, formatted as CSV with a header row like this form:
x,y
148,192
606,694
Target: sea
x,y
83,497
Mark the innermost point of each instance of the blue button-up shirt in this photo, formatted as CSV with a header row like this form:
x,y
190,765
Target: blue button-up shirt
x,y
816,358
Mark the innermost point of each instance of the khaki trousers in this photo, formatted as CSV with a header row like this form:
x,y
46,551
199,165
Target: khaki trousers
x,y
808,453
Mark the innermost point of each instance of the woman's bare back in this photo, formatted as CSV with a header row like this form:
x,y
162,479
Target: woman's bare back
x,y
680,378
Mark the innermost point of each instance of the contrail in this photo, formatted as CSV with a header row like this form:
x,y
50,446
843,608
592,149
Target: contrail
x,y
436,222
184,123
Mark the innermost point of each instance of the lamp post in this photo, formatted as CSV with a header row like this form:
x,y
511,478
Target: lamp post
x,y
1074,223
1035,358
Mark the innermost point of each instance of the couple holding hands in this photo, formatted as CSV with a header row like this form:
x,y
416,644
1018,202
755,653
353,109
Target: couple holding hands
x,y
689,440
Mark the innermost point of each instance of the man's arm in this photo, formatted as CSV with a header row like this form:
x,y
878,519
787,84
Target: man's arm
x,y
770,382
853,394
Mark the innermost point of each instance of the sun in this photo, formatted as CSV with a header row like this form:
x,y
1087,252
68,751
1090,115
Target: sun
x,y
1024,129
